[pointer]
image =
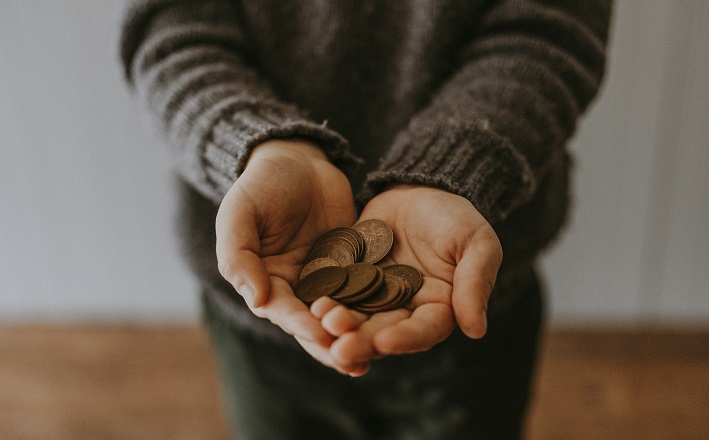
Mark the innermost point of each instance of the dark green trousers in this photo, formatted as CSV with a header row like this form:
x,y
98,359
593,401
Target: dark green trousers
x,y
460,389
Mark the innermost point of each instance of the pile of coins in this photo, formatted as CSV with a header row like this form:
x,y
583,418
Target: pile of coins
x,y
342,265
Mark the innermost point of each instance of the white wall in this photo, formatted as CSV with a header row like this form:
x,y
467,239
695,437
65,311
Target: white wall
x,y
86,199
637,249
85,191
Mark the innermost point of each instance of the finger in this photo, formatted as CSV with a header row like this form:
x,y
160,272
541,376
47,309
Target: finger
x,y
428,325
323,356
358,370
249,277
335,317
322,305
238,246
473,281
358,346
341,320
292,315
353,348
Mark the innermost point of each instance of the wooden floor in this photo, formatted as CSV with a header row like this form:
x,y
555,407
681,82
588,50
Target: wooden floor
x,y
124,382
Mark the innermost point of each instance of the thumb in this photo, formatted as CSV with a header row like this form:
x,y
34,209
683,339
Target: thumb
x,y
473,281
238,246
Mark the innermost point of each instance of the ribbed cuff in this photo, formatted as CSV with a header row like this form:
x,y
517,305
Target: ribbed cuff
x,y
473,162
234,137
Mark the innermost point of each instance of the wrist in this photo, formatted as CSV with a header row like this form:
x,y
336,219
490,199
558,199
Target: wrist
x,y
409,188
295,148
414,193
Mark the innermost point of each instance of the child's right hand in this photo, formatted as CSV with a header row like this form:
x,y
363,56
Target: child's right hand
x,y
288,195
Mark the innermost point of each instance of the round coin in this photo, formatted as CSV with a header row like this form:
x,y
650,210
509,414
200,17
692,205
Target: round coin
x,y
410,274
335,251
407,294
358,241
368,291
354,239
345,241
378,238
316,264
360,277
386,298
322,282
343,236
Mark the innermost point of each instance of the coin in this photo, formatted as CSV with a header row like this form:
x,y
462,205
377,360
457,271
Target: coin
x,y
356,240
367,291
322,282
378,238
404,294
316,264
388,297
351,236
360,278
341,264
334,251
346,242
410,274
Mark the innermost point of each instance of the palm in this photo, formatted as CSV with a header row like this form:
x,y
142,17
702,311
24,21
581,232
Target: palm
x,y
440,234
267,222
290,218
422,248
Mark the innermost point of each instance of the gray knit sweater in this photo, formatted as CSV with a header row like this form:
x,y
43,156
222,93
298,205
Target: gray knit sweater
x,y
476,97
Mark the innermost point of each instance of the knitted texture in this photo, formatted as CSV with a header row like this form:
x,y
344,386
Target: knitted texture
x,y
475,97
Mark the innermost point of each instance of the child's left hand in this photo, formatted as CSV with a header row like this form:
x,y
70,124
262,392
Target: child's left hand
x,y
458,253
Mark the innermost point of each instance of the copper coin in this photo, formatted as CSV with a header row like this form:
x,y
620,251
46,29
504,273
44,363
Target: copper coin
x,y
355,241
345,241
410,274
334,251
386,298
322,282
331,233
347,236
406,295
358,241
343,232
316,264
360,277
403,297
378,239
368,291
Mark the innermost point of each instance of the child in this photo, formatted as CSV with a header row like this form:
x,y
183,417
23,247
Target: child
x,y
448,118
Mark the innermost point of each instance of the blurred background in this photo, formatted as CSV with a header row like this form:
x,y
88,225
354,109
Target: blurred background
x,y
86,194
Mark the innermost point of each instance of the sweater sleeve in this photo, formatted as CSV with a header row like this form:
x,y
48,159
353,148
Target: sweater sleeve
x,y
188,63
503,118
